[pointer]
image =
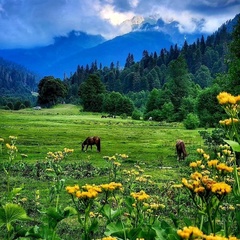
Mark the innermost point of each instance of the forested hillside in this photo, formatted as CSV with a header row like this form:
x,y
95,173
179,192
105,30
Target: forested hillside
x,y
15,79
170,84
16,85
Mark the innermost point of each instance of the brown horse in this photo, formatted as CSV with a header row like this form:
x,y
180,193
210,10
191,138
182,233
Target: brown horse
x,y
92,141
181,150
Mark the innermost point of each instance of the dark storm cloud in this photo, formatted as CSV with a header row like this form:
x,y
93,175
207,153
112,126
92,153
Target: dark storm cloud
x,y
215,6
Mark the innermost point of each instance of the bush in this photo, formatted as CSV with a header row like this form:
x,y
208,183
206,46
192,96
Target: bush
x,y
136,115
191,121
123,116
156,115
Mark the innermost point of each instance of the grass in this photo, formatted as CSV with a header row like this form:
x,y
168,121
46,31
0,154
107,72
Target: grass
x,y
148,143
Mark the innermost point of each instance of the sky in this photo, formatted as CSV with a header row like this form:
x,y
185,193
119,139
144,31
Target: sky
x,y
30,23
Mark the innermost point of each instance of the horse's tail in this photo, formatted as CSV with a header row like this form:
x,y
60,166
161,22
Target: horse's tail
x,y
184,150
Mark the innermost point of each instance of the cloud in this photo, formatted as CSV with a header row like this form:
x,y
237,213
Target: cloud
x,y
28,23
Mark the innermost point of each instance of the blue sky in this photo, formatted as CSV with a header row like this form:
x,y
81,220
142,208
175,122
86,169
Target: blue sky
x,y
29,23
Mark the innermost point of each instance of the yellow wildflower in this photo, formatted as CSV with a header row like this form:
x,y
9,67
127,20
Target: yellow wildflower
x,y
224,167
177,186
225,98
186,184
117,164
193,165
140,196
8,145
111,186
196,175
109,238
12,138
221,188
206,156
200,151
190,231
213,163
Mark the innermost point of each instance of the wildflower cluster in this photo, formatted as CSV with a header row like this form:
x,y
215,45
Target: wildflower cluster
x,y
91,191
231,105
140,196
59,155
208,177
12,148
114,165
112,186
192,232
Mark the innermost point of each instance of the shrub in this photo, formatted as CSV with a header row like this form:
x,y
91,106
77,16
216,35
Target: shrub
x,y
136,115
191,121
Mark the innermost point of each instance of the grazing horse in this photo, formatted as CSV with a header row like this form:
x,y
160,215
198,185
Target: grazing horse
x,y
92,141
181,150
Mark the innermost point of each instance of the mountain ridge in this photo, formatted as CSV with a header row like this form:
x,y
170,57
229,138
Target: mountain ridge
x,y
78,48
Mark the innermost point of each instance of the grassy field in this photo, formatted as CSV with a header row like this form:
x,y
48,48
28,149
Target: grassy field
x,y
148,143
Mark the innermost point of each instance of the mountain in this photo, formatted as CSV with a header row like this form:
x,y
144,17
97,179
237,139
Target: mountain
x,y
115,50
40,59
78,48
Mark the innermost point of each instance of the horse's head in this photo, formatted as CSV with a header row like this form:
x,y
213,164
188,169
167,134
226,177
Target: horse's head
x,y
83,145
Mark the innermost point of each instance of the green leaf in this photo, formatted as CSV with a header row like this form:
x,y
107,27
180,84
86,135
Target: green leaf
x,y
116,229
16,190
10,213
69,211
109,213
234,145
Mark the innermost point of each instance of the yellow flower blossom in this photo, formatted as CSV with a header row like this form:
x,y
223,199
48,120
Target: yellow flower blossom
x,y
8,145
199,189
223,167
12,137
157,206
213,163
1,140
72,190
123,156
111,186
140,196
200,151
193,164
196,175
226,98
206,156
141,179
228,121
117,164
221,188
177,186
190,231
109,238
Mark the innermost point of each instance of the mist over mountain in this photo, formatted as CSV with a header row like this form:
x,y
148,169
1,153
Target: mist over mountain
x,y
78,48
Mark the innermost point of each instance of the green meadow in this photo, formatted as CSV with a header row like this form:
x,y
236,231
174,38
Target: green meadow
x,y
66,193
147,143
